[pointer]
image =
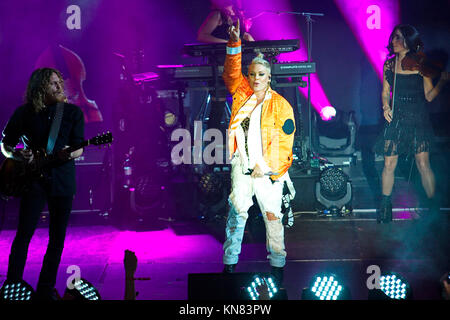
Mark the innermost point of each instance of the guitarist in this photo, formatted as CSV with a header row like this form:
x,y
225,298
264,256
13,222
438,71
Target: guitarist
x,y
31,124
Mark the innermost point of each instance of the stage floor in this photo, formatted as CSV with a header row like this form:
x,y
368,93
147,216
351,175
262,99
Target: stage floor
x,y
345,247
415,247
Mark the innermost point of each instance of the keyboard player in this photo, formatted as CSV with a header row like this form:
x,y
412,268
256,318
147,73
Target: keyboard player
x,y
223,15
215,29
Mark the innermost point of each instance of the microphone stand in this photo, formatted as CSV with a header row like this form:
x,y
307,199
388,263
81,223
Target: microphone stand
x,y
309,22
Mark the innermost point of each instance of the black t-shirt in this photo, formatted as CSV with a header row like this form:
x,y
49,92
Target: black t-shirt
x,y
34,128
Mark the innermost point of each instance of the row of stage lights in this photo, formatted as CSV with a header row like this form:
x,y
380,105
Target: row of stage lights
x,y
22,291
325,286
328,286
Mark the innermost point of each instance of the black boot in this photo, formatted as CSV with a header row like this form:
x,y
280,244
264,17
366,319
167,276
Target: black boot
x,y
229,268
46,294
384,214
278,275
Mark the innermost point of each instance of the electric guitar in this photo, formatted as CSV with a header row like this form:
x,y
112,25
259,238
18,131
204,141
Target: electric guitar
x,y
16,176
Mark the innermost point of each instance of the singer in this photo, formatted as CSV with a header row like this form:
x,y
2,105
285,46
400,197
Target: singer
x,y
261,136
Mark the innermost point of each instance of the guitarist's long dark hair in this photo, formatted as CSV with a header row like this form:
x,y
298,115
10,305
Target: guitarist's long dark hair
x,y
36,89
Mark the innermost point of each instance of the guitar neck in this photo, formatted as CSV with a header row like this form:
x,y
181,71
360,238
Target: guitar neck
x,y
51,158
98,140
83,144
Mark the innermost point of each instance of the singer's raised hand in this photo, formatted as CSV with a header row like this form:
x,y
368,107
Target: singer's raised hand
x,y
235,32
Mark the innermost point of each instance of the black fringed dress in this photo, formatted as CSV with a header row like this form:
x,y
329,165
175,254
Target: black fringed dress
x,y
410,131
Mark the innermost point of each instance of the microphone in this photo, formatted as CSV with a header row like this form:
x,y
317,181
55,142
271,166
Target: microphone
x,y
270,173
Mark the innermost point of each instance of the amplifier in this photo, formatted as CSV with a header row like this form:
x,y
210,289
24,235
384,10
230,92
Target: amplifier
x,y
92,156
94,181
93,199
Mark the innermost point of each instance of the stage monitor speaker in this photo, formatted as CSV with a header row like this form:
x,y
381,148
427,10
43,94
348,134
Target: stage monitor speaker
x,y
224,286
305,199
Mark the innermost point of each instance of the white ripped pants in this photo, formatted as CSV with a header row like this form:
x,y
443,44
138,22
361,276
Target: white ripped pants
x,y
269,197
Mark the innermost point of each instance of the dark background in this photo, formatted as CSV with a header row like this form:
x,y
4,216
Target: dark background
x,y
150,33
160,28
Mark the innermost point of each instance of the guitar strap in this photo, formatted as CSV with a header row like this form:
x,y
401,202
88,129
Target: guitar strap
x,y
54,130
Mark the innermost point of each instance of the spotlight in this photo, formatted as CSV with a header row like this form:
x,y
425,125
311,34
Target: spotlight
x,y
16,290
334,136
170,119
334,190
327,113
272,289
326,286
333,123
83,290
393,286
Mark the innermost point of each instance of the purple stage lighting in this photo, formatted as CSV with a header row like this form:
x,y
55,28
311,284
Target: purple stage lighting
x,y
372,21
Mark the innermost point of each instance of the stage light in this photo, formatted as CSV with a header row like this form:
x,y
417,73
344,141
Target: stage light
x,y
234,286
334,138
335,124
334,190
326,286
252,290
395,286
16,290
327,113
83,290
170,119
333,183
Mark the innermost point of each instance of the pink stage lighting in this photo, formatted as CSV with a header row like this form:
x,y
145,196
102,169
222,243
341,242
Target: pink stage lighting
x,y
372,21
271,25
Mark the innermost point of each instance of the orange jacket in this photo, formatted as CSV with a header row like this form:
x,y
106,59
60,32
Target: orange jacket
x,y
277,116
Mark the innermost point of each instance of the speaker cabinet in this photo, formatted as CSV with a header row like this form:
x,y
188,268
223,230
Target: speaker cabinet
x,y
224,286
94,182
305,199
93,198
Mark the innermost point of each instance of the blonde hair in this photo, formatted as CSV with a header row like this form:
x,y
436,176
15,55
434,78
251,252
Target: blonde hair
x,y
259,59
